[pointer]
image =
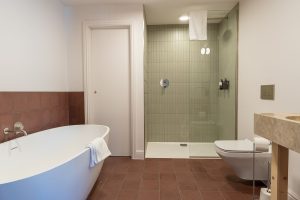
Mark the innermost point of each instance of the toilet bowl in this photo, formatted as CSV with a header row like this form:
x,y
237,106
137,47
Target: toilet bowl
x,y
239,155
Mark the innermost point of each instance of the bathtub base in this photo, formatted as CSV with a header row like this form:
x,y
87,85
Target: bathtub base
x,y
62,183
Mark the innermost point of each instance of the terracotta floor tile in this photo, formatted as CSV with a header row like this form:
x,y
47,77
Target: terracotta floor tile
x,y
202,176
166,165
219,175
207,185
210,164
150,185
131,185
150,176
167,177
112,185
166,169
152,161
117,176
190,195
151,166
151,169
179,161
169,195
233,195
127,195
212,195
99,184
238,185
184,176
180,165
104,176
123,168
136,168
148,195
104,195
168,185
134,176
187,185
197,168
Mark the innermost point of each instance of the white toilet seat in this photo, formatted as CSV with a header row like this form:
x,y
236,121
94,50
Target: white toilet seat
x,y
235,146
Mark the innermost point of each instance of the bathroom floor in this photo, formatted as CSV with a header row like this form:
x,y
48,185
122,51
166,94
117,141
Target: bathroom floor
x,y
169,179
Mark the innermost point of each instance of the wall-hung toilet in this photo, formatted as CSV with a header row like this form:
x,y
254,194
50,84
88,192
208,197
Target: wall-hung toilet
x,y
239,155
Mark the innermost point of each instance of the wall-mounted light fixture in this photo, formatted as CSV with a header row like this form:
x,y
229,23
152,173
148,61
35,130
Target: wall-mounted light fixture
x,y
205,51
202,51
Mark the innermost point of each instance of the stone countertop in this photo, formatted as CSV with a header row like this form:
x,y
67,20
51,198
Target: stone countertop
x,y
279,129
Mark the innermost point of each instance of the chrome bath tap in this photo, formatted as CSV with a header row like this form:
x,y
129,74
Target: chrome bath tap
x,y
18,128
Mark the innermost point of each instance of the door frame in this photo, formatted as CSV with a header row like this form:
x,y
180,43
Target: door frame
x,y
88,26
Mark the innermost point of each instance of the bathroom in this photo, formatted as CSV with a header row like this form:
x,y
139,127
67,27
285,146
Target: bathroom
x,y
166,146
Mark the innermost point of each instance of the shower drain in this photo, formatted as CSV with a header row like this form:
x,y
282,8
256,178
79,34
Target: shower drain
x,y
183,145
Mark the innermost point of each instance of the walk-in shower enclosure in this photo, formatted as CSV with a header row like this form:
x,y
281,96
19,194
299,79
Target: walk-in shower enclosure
x,y
192,109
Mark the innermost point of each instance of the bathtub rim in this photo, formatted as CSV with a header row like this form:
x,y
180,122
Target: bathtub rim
x,y
61,163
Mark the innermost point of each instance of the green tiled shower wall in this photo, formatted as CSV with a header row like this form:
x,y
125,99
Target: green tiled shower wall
x,y
187,109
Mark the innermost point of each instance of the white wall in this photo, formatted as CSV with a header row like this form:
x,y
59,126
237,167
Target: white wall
x,y
75,17
33,54
269,46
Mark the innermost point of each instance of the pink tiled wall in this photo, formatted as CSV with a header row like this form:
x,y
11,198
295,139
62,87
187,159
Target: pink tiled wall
x,y
39,110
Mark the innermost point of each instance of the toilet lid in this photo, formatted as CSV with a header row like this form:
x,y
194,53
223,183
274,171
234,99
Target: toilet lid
x,y
235,145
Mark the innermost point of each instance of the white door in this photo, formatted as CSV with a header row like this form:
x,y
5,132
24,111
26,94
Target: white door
x,y
109,89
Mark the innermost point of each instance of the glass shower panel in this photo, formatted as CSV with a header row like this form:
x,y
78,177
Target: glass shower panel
x,y
212,110
203,99
203,87
228,57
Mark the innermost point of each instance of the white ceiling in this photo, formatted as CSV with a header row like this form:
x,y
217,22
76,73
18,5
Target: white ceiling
x,y
168,11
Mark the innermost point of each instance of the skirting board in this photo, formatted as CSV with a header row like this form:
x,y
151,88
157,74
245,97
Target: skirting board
x,y
138,155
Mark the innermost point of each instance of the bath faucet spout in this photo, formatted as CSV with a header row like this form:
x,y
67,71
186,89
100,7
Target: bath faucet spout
x,y
18,128
21,131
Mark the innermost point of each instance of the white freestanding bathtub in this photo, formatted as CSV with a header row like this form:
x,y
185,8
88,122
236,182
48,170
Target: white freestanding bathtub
x,y
50,165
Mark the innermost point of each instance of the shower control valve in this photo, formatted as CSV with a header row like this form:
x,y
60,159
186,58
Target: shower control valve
x,y
224,84
164,83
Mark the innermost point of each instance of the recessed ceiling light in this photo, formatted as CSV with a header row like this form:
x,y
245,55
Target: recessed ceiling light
x,y
184,18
